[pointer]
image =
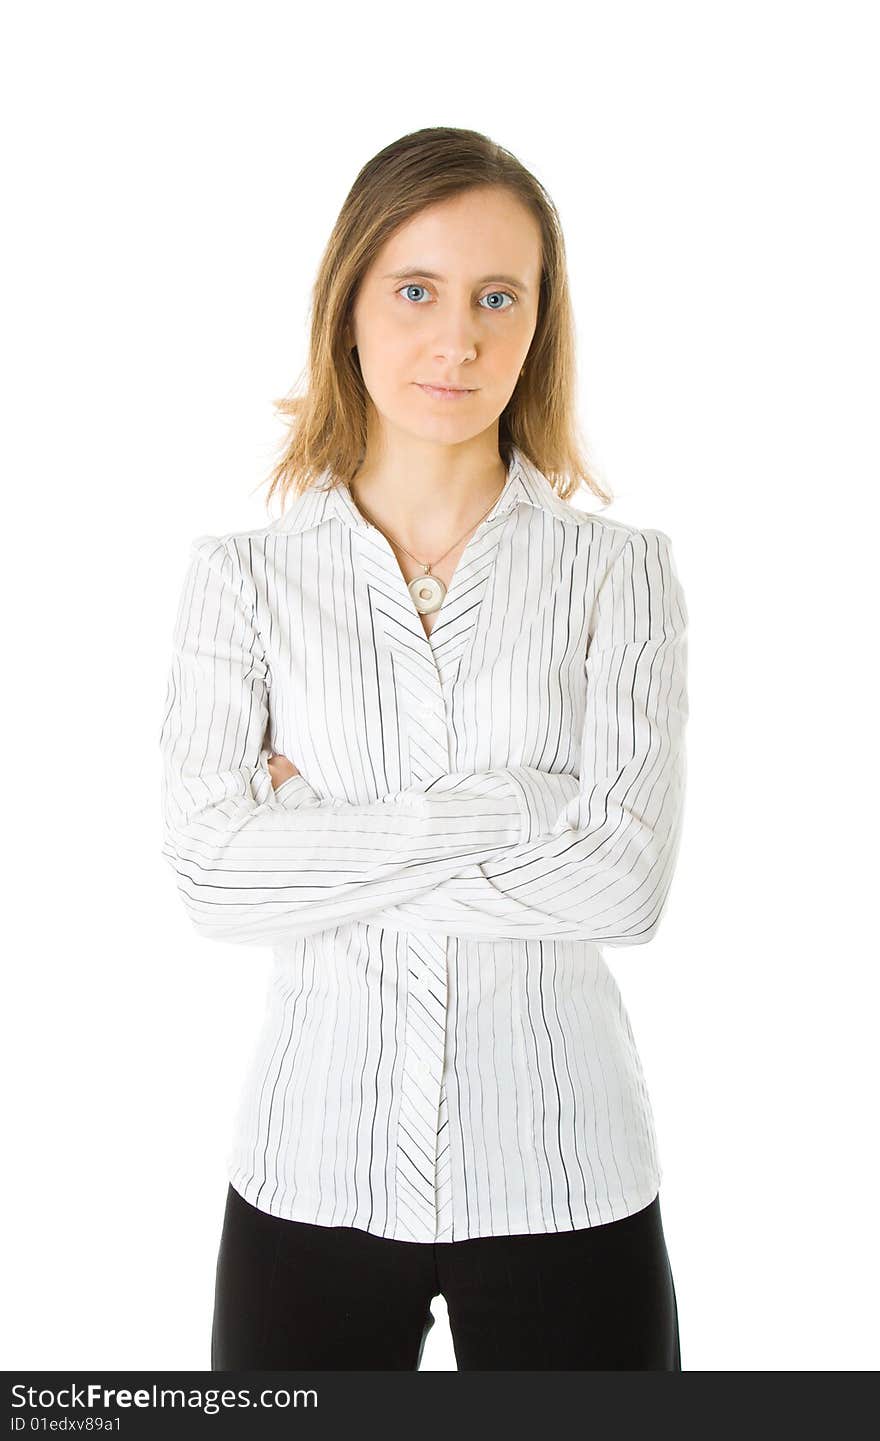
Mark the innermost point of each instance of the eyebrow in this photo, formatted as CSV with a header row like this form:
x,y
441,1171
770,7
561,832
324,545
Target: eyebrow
x,y
432,275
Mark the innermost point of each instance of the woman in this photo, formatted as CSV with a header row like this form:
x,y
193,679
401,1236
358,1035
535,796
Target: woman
x,y
424,735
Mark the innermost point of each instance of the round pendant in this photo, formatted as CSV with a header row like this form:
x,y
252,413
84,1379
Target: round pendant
x,y
427,592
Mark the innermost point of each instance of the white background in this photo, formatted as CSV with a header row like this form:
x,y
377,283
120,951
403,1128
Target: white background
x,y
171,174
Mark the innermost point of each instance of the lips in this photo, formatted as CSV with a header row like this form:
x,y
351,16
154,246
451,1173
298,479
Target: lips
x,y
444,392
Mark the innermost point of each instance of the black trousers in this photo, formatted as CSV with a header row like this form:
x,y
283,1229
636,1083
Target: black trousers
x,y
295,1296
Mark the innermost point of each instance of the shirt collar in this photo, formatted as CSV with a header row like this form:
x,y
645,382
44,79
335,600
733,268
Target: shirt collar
x,y
525,484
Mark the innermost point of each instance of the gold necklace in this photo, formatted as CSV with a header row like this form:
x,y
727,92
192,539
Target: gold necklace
x,y
428,591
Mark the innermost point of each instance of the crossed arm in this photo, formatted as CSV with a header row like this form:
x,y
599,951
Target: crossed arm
x,y
512,851
602,867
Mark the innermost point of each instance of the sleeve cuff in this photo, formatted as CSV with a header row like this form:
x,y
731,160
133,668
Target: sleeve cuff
x,y
293,791
542,798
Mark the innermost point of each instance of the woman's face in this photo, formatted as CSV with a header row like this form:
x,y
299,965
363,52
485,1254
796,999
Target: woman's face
x,y
451,299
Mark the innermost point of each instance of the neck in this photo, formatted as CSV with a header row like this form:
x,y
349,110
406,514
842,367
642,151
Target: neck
x,y
428,502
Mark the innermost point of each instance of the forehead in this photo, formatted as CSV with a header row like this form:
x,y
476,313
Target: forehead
x,y
469,237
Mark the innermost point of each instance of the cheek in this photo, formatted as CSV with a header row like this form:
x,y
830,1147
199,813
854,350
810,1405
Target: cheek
x,y
390,355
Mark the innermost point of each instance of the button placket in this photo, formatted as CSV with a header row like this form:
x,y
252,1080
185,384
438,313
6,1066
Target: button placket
x,y
426,668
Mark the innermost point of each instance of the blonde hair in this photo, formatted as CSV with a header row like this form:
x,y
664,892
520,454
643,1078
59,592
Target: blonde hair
x,y
327,423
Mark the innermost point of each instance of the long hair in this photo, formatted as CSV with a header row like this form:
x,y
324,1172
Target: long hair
x,y
327,419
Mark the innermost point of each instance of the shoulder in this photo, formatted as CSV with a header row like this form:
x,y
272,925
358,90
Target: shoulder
x,y
305,510
235,539
616,543
228,551
226,559
611,531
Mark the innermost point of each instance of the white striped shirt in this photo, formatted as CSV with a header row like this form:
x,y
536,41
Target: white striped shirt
x,y
444,1052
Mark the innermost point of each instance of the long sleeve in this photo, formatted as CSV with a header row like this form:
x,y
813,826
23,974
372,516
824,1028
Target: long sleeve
x,y
604,869
251,868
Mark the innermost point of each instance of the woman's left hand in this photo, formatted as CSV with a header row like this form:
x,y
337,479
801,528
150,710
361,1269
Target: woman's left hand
x,y
280,769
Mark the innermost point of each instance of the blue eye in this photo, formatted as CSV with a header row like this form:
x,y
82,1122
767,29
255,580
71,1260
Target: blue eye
x,y
512,298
